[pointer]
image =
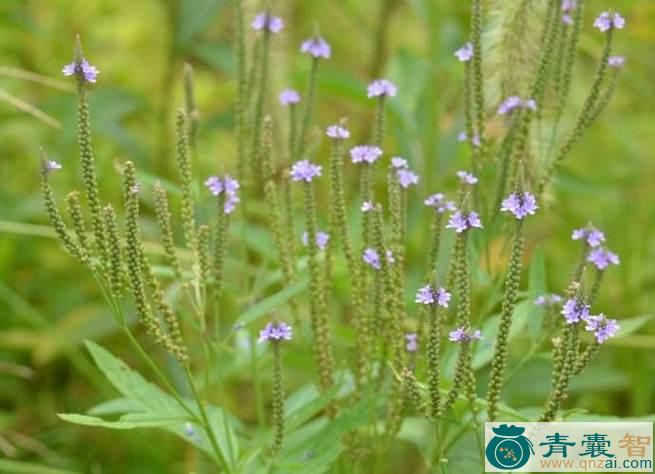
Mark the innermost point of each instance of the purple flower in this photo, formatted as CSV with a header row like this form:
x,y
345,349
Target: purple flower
x,y
305,170
412,342
366,153
568,5
276,332
593,236
406,177
289,97
82,68
136,188
462,334
367,206
567,19
463,136
602,258
466,178
372,258
322,239
515,102
427,295
51,165
602,327
398,162
381,88
337,132
316,47
461,221
520,205
228,185
607,20
616,62
548,300
438,201
389,256
465,53
575,310
265,20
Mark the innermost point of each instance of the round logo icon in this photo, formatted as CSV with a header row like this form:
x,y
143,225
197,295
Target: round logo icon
x,y
509,449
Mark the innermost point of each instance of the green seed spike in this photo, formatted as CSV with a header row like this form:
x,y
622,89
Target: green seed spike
x,y
186,180
278,399
115,251
75,211
163,215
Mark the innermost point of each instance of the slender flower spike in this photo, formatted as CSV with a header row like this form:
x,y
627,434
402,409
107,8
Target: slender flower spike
x,y
337,132
218,185
462,137
366,153
406,177
316,47
276,332
548,300
616,62
520,205
372,258
602,258
411,339
439,203
367,206
593,236
83,69
465,53
429,296
466,178
461,221
398,162
264,20
602,327
51,165
575,310
305,170
515,102
289,97
607,20
322,239
381,88
462,334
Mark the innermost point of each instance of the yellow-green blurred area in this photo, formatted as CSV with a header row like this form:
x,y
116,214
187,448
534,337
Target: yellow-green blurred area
x,y
49,304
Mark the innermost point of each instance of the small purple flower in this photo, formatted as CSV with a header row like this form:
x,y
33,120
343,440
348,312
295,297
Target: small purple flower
x,y
616,62
520,205
322,239
460,221
412,342
602,258
590,234
276,332
462,334
607,20
228,185
427,295
305,170
337,132
289,97
390,258
365,153
466,178
548,300
575,310
372,258
567,19
406,177
463,136
51,165
83,68
316,47
568,5
602,327
381,88
465,53
265,20
367,206
439,202
515,102
398,162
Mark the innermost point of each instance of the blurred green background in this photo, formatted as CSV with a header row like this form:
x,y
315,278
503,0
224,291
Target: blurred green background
x,y
49,304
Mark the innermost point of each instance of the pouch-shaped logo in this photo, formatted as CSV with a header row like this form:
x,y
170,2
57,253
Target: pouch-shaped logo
x,y
509,449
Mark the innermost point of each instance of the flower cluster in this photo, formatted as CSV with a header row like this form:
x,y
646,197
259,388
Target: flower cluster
x,y
276,332
616,62
51,165
602,258
322,239
575,310
365,153
305,170
520,204
602,327
461,221
228,185
466,177
439,203
463,334
265,20
289,97
371,257
463,136
567,8
381,88
83,69
316,47
367,206
515,102
465,53
608,20
337,132
548,300
406,177
411,339
590,234
428,295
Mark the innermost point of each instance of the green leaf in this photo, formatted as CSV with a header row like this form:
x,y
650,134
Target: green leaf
x,y
117,406
126,422
632,325
306,402
268,304
193,16
20,467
